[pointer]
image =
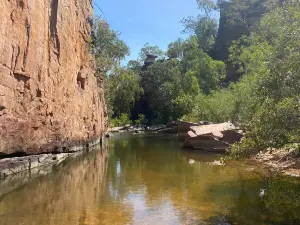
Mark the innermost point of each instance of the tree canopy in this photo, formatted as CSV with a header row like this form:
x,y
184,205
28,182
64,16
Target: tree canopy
x,y
107,47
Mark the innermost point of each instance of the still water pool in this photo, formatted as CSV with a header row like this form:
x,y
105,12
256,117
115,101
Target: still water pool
x,y
148,179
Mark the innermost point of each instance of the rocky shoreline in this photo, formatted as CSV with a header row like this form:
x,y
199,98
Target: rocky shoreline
x,y
11,183
279,161
211,137
13,165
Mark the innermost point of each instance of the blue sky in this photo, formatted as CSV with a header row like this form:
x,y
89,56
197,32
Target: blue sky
x,y
139,21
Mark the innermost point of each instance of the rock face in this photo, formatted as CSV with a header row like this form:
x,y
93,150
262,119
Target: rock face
x,y
49,95
229,32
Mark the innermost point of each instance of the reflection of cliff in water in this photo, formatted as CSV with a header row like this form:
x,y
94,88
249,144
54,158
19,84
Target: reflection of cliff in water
x,y
68,195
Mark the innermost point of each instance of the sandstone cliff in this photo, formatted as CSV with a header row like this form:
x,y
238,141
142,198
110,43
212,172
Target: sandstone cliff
x,y
50,98
229,32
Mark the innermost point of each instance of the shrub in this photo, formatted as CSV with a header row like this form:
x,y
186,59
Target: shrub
x,y
120,121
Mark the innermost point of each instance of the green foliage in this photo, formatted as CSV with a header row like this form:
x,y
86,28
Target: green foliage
x,y
124,90
134,65
121,85
107,47
171,86
208,6
176,49
282,198
150,50
271,56
208,71
179,48
229,104
122,120
266,101
204,28
141,120
238,12
162,84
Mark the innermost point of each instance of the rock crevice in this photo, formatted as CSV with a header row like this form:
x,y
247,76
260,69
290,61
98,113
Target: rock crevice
x,y
53,26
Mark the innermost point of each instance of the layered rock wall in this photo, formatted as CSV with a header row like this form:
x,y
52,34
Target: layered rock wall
x,y
50,98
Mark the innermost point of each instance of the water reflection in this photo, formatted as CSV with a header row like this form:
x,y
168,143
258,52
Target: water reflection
x,y
71,194
149,180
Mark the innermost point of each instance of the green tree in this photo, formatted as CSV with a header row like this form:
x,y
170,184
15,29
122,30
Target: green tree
x,y
271,56
150,50
239,10
186,101
134,65
176,49
208,71
164,83
204,28
124,90
161,83
107,47
141,120
208,6
122,120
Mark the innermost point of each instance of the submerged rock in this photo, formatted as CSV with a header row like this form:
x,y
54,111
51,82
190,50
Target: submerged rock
x,y
171,128
116,129
191,161
156,127
15,165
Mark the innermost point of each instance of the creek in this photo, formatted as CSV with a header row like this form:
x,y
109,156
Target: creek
x,y
149,179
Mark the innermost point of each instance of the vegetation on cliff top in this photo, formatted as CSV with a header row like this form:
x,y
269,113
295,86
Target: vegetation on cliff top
x,y
187,83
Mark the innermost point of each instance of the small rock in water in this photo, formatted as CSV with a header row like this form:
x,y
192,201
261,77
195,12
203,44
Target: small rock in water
x,y
191,161
217,163
250,169
262,193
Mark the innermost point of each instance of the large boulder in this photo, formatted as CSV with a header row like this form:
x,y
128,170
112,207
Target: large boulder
x,y
212,129
213,137
183,128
